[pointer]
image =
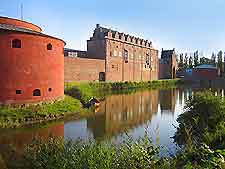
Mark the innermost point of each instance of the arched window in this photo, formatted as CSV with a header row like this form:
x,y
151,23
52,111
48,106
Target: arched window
x,y
36,92
16,43
49,46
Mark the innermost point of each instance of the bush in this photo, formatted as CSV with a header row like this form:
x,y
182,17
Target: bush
x,y
202,122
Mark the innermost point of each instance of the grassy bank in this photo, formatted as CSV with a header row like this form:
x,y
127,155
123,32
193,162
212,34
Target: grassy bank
x,y
17,116
84,91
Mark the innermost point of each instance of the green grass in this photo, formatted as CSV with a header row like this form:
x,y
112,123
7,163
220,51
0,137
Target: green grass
x,y
17,116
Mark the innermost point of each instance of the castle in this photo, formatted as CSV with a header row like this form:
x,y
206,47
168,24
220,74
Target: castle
x,y
112,56
32,64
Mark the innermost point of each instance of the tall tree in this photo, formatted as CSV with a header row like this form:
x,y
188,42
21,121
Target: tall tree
x,y
220,61
181,61
190,62
186,60
196,61
213,59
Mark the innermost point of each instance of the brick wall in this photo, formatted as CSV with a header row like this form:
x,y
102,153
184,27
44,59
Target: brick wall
x,y
83,69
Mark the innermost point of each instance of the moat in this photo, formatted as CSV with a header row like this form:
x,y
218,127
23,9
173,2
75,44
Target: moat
x,y
119,115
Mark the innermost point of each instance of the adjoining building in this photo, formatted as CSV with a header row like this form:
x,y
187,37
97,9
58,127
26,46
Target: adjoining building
x,y
205,72
32,63
113,56
168,64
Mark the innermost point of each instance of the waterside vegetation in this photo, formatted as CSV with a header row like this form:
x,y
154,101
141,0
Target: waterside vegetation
x,y
200,134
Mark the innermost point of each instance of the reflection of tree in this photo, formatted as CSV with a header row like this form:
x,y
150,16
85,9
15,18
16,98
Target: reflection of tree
x,y
122,112
168,100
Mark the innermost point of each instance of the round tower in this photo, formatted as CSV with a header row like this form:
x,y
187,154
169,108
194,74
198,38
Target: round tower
x,y
31,64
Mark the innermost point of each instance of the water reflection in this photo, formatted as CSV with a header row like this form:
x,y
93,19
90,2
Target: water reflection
x,y
117,114
121,112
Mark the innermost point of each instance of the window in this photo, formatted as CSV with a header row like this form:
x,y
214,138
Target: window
x,y
49,89
113,35
126,38
115,53
49,46
36,92
125,56
120,54
16,43
147,60
72,54
18,91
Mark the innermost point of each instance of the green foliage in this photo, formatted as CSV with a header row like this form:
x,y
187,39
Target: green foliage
x,y
200,157
82,91
203,121
16,116
86,90
55,153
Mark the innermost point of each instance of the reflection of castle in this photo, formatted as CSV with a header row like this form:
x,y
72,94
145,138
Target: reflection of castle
x,y
18,139
122,112
168,100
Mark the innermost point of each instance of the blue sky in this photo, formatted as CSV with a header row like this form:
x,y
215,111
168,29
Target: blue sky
x,y
186,25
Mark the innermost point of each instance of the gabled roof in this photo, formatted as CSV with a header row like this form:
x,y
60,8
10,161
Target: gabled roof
x,y
206,66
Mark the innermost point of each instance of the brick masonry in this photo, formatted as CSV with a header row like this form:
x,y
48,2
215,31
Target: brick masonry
x,y
83,69
30,67
126,58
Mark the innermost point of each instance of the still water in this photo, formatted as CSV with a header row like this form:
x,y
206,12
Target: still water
x,y
119,115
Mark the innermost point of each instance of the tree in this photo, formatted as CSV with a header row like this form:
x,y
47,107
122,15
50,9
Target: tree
x,y
181,61
205,60
190,62
220,61
196,61
213,59
186,60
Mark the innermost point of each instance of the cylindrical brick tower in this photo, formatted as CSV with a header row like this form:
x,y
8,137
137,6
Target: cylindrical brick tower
x,y
31,64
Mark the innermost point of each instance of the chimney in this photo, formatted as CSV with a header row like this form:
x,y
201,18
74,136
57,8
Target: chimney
x,y
97,25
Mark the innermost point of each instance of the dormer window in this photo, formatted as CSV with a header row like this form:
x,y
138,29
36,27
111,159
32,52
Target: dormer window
x,y
49,46
16,43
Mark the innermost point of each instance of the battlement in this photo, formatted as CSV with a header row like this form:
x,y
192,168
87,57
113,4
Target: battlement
x,y
101,33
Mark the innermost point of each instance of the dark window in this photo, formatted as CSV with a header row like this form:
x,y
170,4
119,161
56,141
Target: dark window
x,y
113,35
126,38
49,89
36,92
147,59
16,43
49,46
18,91
101,76
125,56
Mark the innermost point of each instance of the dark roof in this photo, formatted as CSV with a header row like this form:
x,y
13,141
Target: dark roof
x,y
206,66
8,27
73,50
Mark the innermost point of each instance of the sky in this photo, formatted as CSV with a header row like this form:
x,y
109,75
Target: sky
x,y
186,25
